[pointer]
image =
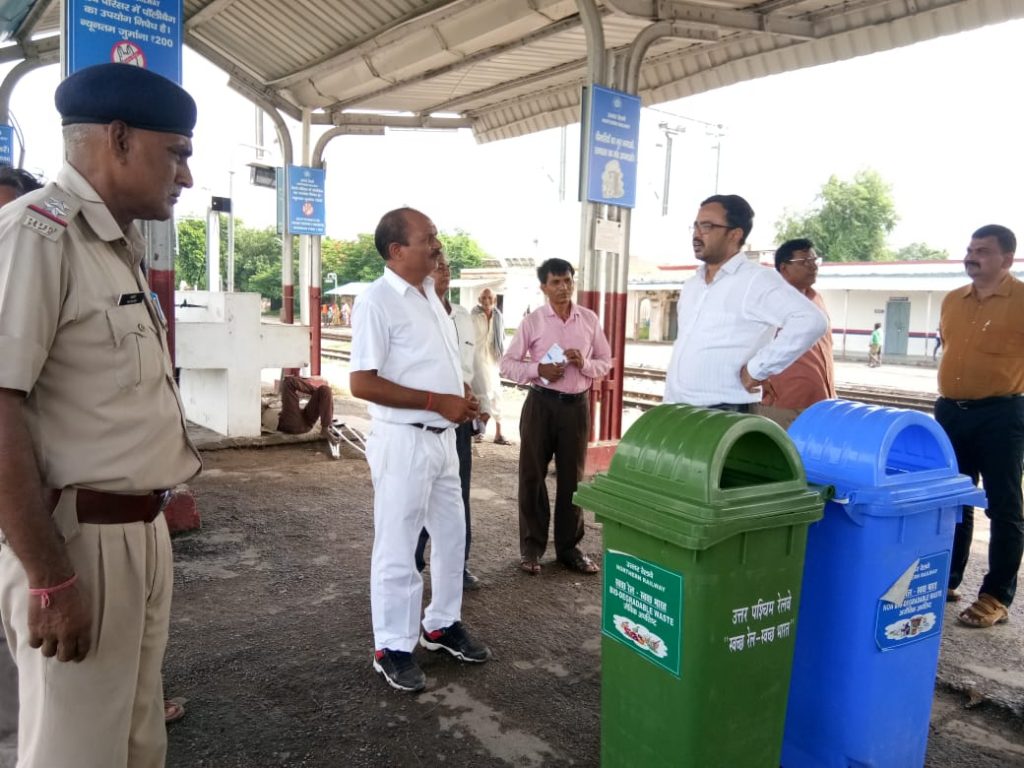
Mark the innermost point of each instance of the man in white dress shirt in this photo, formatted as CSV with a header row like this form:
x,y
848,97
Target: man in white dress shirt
x,y
405,361
465,335
739,322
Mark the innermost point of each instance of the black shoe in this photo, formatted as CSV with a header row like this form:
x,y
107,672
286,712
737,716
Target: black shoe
x,y
400,670
470,583
457,642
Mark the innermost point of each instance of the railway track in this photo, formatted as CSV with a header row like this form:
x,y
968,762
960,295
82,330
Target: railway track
x,y
893,398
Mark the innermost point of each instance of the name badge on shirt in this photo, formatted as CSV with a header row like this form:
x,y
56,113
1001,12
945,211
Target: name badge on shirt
x,y
125,299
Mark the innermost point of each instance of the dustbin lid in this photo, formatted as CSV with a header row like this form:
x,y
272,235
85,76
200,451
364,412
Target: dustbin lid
x,y
871,446
878,455
698,476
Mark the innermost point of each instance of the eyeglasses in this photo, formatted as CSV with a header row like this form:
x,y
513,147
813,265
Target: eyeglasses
x,y
815,260
707,226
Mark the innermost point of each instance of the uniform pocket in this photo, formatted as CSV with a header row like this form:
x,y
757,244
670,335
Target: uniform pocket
x,y
1001,340
136,349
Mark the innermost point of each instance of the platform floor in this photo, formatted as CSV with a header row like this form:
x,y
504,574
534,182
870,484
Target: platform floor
x,y
270,636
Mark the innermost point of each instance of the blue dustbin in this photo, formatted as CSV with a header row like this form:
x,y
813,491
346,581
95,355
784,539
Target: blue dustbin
x,y
874,586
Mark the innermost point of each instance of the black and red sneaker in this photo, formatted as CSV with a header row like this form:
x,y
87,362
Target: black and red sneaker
x,y
456,640
400,670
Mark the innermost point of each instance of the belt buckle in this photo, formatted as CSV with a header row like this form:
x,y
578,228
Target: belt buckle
x,y
961,404
165,499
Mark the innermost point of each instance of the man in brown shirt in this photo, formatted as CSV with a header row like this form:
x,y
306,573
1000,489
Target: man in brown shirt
x,y
981,381
92,430
812,376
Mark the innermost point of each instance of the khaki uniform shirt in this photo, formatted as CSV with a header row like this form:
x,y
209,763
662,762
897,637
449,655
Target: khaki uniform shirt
x,y
82,337
983,342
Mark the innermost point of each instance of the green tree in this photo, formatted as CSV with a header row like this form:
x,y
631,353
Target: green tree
x,y
190,264
462,251
332,259
360,261
258,261
920,252
849,221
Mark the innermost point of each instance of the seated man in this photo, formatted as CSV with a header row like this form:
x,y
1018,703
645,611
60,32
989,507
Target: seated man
x,y
296,419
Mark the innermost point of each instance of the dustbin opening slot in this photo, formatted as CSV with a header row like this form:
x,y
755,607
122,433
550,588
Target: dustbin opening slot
x,y
915,449
756,459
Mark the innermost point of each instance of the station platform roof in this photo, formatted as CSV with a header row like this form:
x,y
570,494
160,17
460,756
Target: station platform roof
x,y
507,68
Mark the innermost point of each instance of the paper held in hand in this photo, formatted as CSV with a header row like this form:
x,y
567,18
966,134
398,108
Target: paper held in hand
x,y
554,355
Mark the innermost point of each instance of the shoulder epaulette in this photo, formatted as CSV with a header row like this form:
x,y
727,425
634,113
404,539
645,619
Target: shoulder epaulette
x,y
51,211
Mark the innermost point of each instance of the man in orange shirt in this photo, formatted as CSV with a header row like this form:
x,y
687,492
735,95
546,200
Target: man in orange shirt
x,y
812,376
981,407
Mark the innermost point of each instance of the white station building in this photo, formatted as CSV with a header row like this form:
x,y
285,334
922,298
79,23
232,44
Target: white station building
x,y
904,296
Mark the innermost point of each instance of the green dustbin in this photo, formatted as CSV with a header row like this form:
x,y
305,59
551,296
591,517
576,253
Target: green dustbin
x,y
705,519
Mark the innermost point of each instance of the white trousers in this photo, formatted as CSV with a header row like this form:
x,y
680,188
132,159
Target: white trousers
x,y
106,711
415,485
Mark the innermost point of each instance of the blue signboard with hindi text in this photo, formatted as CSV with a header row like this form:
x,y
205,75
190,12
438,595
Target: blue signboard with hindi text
x,y
144,33
6,145
912,610
614,135
307,214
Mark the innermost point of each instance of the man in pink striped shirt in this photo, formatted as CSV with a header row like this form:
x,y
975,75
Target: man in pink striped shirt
x,y
559,351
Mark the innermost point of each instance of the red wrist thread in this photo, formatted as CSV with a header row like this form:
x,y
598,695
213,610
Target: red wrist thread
x,y
43,593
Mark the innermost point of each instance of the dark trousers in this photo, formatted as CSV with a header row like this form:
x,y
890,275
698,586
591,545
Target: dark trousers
x,y
989,442
548,428
464,449
296,419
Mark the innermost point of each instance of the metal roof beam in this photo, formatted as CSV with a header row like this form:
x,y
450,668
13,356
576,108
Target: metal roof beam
x,y
240,79
207,12
427,122
44,48
394,31
28,24
570,67
467,61
575,67
254,91
648,37
693,13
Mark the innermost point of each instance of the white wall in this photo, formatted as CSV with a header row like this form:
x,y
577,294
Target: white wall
x,y
858,310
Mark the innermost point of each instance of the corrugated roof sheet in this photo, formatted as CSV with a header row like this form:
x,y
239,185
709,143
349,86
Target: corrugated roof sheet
x,y
516,66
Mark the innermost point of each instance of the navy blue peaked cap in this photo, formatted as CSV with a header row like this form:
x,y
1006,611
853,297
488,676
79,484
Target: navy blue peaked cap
x,y
141,98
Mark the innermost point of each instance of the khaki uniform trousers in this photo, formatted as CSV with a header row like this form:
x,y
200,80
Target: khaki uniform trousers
x,y
106,711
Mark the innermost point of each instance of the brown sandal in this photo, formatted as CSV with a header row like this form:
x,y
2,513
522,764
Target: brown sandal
x,y
984,612
531,567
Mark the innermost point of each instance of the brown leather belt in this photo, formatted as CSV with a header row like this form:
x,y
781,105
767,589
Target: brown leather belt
x,y
101,508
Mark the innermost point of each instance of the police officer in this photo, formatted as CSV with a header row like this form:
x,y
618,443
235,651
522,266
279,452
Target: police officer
x,y
91,427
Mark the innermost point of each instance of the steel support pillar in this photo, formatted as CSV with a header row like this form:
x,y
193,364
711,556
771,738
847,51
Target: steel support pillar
x,y
284,139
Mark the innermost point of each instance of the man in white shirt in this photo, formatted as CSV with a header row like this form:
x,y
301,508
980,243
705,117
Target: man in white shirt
x,y
465,335
739,322
405,361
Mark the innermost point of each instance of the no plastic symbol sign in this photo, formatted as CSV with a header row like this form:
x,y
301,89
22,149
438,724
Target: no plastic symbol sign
x,y
127,52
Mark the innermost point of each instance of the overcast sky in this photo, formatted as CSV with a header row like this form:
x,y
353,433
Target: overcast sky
x,y
938,120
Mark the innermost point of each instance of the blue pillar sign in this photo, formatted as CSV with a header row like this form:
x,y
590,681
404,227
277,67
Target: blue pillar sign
x,y
6,145
614,135
306,209
144,33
